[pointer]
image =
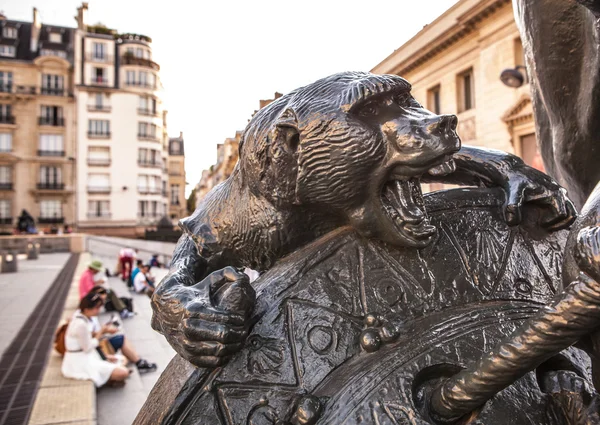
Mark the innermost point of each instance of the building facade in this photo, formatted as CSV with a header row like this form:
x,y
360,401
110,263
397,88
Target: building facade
x,y
122,142
176,168
454,65
38,122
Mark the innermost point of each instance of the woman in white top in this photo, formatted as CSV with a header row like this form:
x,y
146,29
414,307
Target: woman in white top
x,y
82,360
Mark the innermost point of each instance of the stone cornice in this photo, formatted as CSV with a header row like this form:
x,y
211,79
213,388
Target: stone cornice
x,y
455,24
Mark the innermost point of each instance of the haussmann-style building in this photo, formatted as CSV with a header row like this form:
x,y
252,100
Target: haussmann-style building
x,y
38,122
122,142
176,168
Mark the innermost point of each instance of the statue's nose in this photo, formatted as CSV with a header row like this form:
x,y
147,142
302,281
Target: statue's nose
x,y
444,126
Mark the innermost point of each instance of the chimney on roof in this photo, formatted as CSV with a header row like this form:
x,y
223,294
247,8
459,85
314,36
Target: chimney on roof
x,y
181,134
36,27
2,16
81,17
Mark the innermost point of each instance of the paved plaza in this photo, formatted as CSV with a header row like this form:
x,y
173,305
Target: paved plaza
x,y
22,291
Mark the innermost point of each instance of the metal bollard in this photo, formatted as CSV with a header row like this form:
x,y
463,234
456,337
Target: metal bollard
x,y
9,262
33,250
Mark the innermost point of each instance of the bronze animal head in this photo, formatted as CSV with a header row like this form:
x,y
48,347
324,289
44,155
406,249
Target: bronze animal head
x,y
354,144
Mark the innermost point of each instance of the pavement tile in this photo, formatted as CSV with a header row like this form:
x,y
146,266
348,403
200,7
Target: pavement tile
x,y
64,404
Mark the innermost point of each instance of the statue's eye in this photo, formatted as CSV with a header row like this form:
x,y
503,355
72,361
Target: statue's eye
x,y
369,109
402,99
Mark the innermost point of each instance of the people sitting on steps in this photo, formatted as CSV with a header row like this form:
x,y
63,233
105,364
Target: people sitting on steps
x,y
82,360
144,282
91,277
118,341
136,270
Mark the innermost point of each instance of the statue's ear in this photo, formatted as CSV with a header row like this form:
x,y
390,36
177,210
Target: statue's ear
x,y
284,151
287,131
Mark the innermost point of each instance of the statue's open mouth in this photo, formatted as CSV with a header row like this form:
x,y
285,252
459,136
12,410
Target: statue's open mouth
x,y
402,200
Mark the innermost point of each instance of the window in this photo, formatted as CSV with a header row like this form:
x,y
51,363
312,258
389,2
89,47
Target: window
x,y
147,130
99,76
51,115
530,152
98,208
143,210
98,51
50,176
98,182
99,128
6,113
519,55
8,51
143,78
149,184
5,175
130,78
6,79
9,32
55,37
466,92
98,155
53,84
50,52
433,100
148,156
5,208
144,103
50,209
51,145
5,142
174,194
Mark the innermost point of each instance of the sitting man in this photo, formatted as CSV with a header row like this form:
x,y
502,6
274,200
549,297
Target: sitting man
x,y
118,342
136,270
142,284
88,280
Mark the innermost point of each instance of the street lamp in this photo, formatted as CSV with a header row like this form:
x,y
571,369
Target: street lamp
x,y
512,77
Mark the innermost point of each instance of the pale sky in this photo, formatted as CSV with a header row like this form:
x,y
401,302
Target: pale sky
x,y
219,58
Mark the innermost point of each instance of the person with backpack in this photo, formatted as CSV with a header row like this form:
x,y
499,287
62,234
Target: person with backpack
x,y
82,360
88,280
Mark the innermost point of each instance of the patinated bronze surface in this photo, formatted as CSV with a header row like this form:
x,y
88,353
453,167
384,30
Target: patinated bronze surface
x,y
371,297
561,41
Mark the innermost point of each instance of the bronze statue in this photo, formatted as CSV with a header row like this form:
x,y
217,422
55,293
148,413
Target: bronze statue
x,y
372,297
562,52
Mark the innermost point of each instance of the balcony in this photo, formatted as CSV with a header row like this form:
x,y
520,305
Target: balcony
x,y
43,152
98,189
99,108
51,186
92,57
148,112
148,137
145,163
104,162
175,202
128,59
97,81
51,220
6,186
28,90
149,216
140,84
53,91
99,215
56,121
145,190
96,135
6,220
175,173
7,119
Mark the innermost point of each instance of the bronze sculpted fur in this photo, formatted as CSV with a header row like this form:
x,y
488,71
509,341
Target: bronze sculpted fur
x,y
348,151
